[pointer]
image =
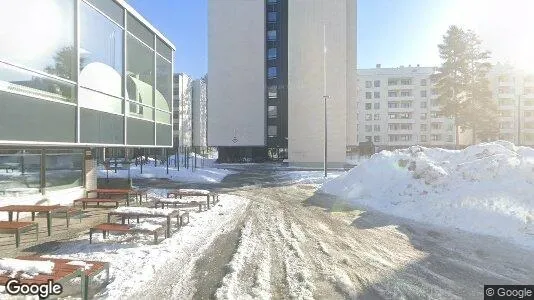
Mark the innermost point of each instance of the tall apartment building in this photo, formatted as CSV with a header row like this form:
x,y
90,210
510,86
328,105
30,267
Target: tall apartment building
x,y
513,90
265,65
200,113
398,107
183,110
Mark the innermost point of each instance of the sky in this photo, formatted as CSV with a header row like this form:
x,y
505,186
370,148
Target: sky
x,y
390,32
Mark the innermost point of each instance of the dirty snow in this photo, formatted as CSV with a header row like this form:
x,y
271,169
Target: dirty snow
x,y
486,188
29,267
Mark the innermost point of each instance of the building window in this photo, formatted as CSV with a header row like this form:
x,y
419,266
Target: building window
x,y
272,17
423,82
272,1
272,72
450,138
435,137
423,138
528,103
393,104
423,94
272,111
423,104
506,90
368,95
376,127
271,35
272,91
400,137
368,117
399,126
377,83
368,128
377,95
368,106
450,127
376,117
392,81
376,139
436,126
368,138
400,115
392,93
407,81
368,84
423,116
406,93
506,125
406,104
272,130
434,92
423,127
377,105
140,70
271,53
529,113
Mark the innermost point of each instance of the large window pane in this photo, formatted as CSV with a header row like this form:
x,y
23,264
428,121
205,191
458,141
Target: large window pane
x,y
140,72
163,135
140,30
20,173
163,117
163,84
63,170
110,8
100,127
39,35
140,132
98,101
26,119
15,80
101,46
163,49
140,111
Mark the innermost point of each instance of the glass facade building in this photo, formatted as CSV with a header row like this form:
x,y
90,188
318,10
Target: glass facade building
x,y
83,72
74,75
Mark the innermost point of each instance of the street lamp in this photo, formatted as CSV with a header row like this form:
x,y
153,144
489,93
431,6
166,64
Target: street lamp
x,y
325,96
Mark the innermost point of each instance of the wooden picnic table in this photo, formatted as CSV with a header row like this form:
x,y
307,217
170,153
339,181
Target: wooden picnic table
x,y
121,192
151,213
165,202
48,209
62,266
193,192
17,228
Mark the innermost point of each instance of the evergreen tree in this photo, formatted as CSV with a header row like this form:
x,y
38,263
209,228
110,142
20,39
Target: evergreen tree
x,y
463,86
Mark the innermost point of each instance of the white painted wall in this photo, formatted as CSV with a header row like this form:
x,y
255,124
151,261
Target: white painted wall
x,y
305,82
236,51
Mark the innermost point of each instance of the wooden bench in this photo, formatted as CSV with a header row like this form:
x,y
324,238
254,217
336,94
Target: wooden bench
x,y
177,203
17,228
85,201
105,228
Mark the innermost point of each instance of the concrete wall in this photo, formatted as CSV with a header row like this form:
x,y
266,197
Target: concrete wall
x,y
352,87
199,113
236,51
305,78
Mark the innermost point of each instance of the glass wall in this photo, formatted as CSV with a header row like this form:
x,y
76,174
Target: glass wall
x,y
125,73
20,172
36,44
64,169
101,60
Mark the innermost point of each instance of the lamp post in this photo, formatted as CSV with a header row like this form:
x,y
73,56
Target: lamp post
x,y
325,96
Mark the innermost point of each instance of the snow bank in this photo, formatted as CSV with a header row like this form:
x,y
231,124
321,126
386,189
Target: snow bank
x,y
486,188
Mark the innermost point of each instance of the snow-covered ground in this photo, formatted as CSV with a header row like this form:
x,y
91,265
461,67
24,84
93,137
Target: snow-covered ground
x,y
198,175
486,188
135,260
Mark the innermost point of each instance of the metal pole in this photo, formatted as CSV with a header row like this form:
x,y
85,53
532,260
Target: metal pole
x,y
325,97
519,120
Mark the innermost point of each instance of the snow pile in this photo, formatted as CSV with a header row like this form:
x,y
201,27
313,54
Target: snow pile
x,y
30,268
486,188
145,210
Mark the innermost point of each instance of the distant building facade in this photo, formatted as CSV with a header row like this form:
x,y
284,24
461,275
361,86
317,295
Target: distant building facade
x,y
183,110
200,113
399,107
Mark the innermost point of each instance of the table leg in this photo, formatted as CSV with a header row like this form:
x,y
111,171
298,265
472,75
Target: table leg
x,y
109,218
17,238
90,236
17,216
68,219
10,216
33,216
49,223
168,226
208,201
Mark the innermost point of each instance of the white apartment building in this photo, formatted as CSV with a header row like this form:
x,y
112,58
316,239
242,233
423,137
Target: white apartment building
x,y
513,90
183,112
200,113
398,107
266,83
